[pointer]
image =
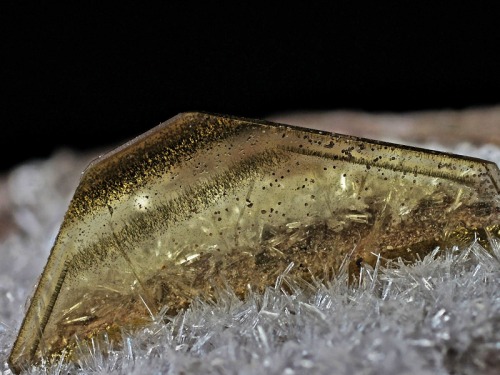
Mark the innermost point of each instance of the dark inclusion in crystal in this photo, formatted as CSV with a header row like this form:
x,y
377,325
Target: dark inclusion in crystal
x,y
203,201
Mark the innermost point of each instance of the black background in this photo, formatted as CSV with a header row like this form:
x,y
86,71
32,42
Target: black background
x,y
86,76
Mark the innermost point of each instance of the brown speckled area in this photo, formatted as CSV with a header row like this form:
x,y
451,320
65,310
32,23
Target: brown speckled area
x,y
203,201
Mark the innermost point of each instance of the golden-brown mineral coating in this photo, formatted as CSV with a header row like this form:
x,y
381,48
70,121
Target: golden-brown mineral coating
x,y
203,200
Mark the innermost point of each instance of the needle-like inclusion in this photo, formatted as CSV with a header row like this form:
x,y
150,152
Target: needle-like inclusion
x,y
203,201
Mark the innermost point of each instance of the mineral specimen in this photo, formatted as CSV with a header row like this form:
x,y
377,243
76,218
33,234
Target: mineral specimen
x,y
205,201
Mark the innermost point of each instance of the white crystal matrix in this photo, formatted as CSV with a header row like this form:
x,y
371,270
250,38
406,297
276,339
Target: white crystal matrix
x,y
439,316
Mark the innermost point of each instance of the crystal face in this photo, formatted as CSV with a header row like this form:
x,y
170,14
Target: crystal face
x,y
203,201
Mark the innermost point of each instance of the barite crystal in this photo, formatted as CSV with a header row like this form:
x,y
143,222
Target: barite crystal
x,y
204,201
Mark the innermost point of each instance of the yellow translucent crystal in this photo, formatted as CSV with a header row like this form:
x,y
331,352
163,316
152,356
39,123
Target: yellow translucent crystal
x,y
203,201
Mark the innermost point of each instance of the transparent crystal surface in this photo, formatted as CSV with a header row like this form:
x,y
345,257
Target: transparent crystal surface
x,y
204,201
